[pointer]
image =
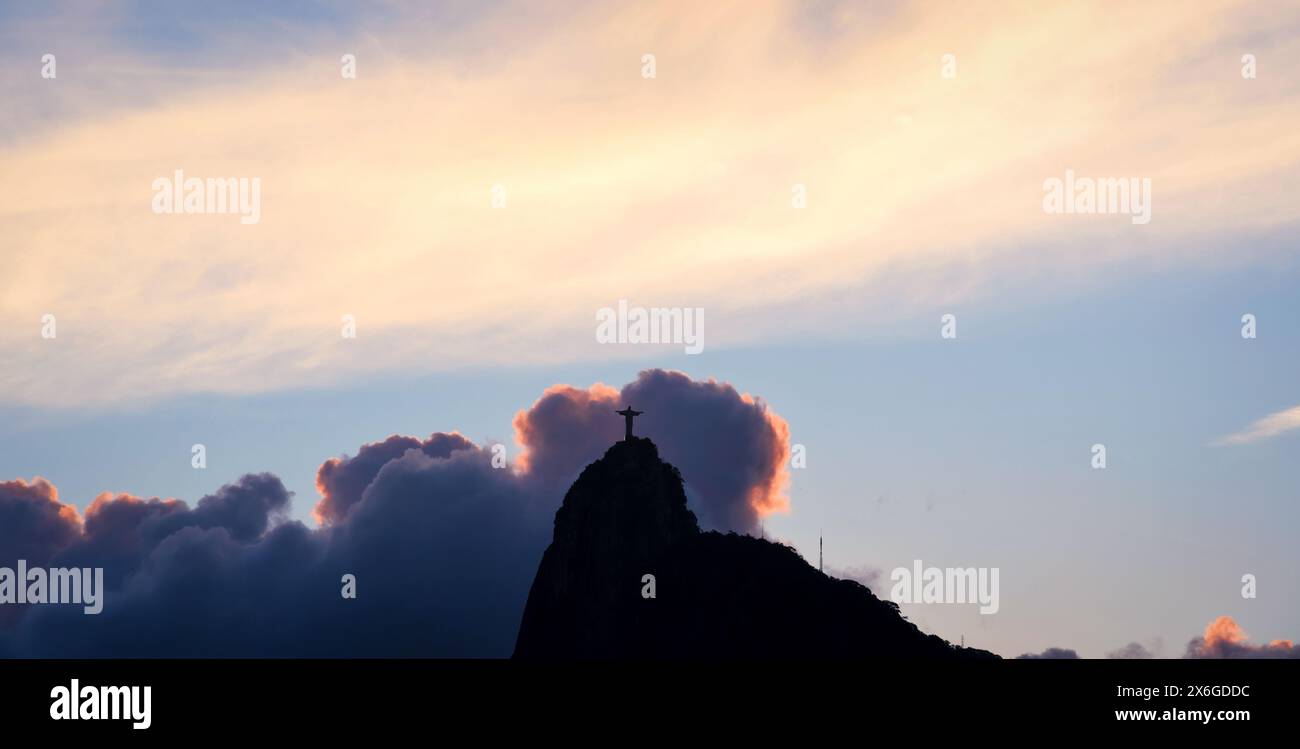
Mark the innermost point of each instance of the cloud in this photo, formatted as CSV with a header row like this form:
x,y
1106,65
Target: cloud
x,y
1131,651
1269,426
121,530
868,577
383,204
443,545
729,446
1224,638
1050,654
341,481
35,525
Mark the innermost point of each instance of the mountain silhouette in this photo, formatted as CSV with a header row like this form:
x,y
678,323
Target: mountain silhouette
x,y
715,595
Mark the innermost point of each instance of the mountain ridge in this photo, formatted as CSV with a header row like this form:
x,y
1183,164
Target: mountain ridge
x,y
715,595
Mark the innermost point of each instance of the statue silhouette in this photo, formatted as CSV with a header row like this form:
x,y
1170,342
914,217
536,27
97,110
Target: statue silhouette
x,y
628,414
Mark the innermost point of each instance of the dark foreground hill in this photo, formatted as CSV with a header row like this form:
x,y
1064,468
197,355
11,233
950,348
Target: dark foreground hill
x,y
716,596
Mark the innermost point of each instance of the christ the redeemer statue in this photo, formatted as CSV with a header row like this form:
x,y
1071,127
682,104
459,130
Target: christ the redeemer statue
x,y
627,414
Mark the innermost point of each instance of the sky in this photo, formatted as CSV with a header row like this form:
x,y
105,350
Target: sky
x,y
924,197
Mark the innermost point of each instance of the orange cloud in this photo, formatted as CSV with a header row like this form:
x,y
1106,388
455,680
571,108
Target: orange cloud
x,y
732,450
1223,631
528,434
1224,638
104,500
42,491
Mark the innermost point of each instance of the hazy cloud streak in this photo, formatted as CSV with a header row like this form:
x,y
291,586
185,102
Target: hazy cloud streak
x,y
1270,426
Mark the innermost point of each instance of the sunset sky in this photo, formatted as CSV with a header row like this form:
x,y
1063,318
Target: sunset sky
x,y
924,198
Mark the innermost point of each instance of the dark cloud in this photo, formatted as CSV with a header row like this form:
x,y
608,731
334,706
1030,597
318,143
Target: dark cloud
x,y
34,524
244,509
120,530
1131,651
1050,654
443,545
341,481
442,549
